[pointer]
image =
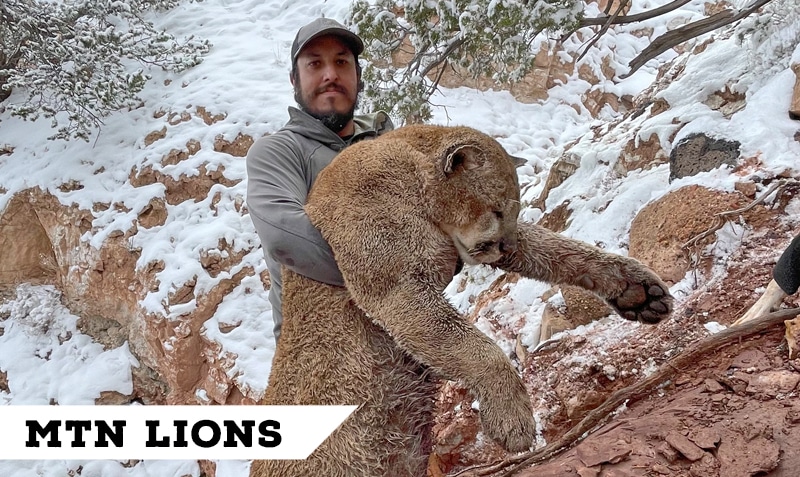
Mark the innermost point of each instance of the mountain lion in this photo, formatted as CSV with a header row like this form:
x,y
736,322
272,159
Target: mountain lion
x,y
400,212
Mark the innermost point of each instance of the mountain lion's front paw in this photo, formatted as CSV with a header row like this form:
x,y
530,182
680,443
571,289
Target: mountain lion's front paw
x,y
508,418
645,297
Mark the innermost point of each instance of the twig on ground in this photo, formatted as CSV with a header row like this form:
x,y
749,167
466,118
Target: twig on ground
x,y
721,217
635,392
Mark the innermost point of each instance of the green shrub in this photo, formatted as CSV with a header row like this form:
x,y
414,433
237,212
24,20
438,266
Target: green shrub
x,y
486,38
76,61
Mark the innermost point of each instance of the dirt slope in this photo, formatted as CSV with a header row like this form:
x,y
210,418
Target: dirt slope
x,y
730,410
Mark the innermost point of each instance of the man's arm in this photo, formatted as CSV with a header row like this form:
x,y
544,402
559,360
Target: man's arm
x,y
277,188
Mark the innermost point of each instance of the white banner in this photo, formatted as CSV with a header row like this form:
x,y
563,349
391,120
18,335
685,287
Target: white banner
x,y
166,432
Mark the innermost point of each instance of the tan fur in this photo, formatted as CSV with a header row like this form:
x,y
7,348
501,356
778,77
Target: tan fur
x,y
398,212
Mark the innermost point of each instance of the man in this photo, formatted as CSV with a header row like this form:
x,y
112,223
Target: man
x,y
282,167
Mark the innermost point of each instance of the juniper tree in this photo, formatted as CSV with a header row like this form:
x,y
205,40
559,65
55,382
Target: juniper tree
x,y
490,39
485,38
76,61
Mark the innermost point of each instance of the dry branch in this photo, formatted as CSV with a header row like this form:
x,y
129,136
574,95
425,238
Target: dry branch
x,y
720,218
631,394
619,20
687,32
609,21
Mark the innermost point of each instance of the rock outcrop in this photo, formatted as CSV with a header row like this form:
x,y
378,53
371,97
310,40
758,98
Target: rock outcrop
x,y
45,241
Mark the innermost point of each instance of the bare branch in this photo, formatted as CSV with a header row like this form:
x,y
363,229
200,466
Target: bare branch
x,y
609,21
721,218
620,20
633,393
689,31
444,55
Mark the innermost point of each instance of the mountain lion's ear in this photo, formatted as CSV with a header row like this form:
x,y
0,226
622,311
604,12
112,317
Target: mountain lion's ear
x,y
468,156
518,161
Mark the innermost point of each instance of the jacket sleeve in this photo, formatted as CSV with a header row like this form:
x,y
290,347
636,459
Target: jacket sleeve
x,y
787,271
277,188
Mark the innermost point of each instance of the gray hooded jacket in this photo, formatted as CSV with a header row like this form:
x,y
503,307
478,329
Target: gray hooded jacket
x,y
280,171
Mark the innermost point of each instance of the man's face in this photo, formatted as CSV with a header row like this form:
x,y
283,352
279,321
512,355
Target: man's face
x,y
326,85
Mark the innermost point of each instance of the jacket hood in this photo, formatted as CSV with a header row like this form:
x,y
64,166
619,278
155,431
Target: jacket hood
x,y
304,124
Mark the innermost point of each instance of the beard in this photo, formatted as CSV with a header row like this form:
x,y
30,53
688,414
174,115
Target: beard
x,y
333,120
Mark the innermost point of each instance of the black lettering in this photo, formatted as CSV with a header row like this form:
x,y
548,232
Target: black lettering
x,y
104,431
215,433
245,436
180,426
152,441
77,435
271,438
35,428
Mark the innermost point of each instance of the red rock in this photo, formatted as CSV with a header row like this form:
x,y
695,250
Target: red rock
x,y
705,438
712,386
595,453
746,456
751,358
707,466
589,471
667,451
772,383
660,469
794,108
683,445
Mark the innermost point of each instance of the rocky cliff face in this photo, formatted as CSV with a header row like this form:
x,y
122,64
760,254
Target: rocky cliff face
x,y
44,241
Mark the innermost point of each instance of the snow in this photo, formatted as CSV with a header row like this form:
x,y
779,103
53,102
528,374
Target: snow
x,y
245,78
44,339
713,327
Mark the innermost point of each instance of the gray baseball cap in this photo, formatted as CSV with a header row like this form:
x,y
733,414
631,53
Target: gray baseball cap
x,y
325,26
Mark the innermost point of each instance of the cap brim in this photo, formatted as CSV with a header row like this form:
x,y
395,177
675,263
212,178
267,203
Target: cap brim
x,y
352,40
